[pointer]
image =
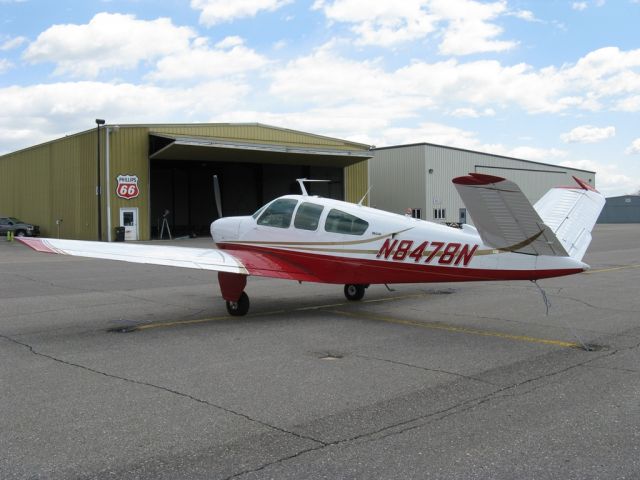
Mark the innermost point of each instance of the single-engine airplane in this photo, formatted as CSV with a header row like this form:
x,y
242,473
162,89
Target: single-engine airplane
x,y
312,239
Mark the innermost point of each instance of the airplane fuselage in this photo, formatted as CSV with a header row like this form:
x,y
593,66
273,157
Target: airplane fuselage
x,y
346,243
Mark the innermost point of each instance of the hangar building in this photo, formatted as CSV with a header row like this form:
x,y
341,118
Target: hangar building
x,y
145,170
418,176
622,209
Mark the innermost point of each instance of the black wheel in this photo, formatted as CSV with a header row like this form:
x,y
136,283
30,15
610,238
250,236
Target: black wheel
x,y
354,292
239,308
20,233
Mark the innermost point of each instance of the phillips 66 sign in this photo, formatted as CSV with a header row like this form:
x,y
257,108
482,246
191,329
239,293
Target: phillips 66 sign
x,y
127,186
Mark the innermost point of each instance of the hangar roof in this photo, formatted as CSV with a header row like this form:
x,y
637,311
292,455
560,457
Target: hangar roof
x,y
427,144
183,147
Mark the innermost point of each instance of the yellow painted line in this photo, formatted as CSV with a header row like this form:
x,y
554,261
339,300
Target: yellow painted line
x,y
612,269
452,328
177,323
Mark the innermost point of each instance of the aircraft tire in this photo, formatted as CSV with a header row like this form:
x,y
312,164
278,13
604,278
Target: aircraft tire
x,y
354,292
239,308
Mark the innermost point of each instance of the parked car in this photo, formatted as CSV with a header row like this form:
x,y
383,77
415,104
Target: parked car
x,y
18,227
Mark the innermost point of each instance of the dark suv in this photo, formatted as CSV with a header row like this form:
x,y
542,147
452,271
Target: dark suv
x,y
18,227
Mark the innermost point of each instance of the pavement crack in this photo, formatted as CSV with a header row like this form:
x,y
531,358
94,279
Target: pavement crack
x,y
427,369
590,305
164,389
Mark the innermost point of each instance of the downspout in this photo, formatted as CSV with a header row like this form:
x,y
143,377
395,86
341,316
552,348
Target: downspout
x,y
108,180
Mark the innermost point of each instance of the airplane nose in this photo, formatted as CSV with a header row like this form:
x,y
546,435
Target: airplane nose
x,y
225,229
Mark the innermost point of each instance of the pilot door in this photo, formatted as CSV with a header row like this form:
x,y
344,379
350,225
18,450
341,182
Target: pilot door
x,y
129,220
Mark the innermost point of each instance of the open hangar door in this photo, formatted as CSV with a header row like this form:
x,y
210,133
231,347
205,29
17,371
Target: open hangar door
x,y
181,180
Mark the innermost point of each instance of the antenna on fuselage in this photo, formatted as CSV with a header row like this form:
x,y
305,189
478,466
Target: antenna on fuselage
x,y
303,188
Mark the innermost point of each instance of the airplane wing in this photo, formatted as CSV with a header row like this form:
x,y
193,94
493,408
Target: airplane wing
x,y
504,217
243,263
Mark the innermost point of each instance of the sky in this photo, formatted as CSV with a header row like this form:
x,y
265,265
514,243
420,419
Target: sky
x,y
551,81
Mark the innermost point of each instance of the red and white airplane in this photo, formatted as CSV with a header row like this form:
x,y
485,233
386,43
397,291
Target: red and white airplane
x,y
312,239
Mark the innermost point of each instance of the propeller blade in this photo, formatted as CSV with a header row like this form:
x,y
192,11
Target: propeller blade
x,y
216,194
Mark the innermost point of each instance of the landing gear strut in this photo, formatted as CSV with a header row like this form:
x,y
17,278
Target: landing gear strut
x,y
239,308
354,291
232,289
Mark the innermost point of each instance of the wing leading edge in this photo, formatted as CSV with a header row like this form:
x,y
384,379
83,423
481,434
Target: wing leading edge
x,y
238,262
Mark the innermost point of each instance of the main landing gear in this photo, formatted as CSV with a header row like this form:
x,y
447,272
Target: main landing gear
x,y
354,291
239,308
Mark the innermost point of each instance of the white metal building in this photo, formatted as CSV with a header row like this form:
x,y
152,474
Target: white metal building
x,y
418,176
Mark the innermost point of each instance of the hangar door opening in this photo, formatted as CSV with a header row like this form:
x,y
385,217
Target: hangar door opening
x,y
184,186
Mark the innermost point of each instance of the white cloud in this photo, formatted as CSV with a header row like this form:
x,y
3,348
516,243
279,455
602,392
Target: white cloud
x,y
600,80
381,22
12,43
5,65
634,148
526,15
34,114
469,26
229,57
465,26
579,6
213,12
108,41
629,104
588,134
472,112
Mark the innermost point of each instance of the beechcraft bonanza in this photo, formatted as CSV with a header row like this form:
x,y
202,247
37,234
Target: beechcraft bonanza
x,y
312,239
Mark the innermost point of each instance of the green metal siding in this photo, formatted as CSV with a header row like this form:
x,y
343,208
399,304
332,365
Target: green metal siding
x,y
52,181
58,179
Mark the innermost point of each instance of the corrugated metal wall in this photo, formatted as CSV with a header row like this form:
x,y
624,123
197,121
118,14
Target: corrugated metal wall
x,y
397,178
53,181
623,209
402,176
58,179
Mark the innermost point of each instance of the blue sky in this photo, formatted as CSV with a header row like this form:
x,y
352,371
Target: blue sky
x,y
550,80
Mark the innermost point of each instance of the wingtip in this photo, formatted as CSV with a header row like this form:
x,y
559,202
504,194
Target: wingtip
x,y
37,244
477,179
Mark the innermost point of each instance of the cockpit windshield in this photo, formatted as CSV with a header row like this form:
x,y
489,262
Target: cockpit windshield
x,y
278,214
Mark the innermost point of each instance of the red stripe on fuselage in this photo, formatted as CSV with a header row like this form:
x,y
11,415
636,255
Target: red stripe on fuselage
x,y
334,269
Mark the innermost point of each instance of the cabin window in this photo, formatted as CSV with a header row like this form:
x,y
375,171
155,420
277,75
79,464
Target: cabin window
x,y
439,213
308,216
341,222
279,213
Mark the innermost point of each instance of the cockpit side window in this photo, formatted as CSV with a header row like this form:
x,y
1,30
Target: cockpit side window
x,y
259,211
308,216
279,213
341,222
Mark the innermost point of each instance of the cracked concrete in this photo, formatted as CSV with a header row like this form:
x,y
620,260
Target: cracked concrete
x,y
247,398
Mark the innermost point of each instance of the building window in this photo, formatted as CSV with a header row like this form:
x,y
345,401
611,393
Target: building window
x,y
439,213
416,212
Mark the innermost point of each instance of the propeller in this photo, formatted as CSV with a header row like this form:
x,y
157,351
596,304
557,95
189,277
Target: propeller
x,y
216,194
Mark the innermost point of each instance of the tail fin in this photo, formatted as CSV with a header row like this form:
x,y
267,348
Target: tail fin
x,y
571,213
559,225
